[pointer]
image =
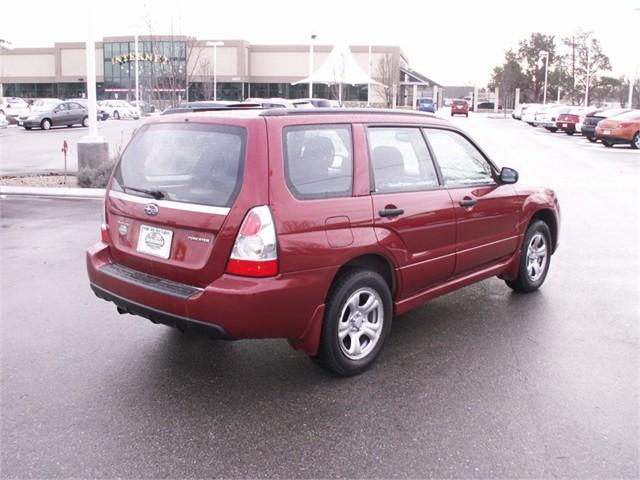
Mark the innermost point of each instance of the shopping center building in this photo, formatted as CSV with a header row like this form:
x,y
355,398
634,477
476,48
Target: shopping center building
x,y
178,68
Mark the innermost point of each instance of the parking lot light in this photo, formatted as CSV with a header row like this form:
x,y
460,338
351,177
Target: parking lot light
x,y
313,37
215,46
544,54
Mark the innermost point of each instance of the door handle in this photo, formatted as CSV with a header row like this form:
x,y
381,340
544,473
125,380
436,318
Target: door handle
x,y
391,212
468,202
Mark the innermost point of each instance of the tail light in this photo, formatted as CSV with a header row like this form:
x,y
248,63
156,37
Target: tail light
x,y
255,252
104,226
624,125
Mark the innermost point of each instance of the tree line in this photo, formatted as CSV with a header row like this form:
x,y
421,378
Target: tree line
x,y
573,62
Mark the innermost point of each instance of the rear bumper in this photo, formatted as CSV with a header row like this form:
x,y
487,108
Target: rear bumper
x,y
158,316
612,138
285,306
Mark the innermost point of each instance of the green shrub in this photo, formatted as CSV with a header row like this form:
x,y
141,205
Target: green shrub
x,y
95,177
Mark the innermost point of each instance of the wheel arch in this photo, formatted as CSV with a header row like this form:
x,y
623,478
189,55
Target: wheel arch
x,y
371,261
548,217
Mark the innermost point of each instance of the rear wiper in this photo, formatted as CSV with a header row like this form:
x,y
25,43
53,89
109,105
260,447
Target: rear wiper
x,y
157,194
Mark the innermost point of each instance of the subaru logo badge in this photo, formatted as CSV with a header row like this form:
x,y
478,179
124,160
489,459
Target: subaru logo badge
x,y
151,209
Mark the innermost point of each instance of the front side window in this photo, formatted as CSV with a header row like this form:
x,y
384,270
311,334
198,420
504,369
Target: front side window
x,y
400,160
318,161
460,162
192,163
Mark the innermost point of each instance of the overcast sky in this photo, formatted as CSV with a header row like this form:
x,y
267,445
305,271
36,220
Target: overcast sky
x,y
452,42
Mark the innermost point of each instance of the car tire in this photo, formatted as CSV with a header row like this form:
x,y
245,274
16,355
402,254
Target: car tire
x,y
85,122
45,124
348,319
592,139
635,143
116,115
552,129
535,258
569,132
466,115
607,143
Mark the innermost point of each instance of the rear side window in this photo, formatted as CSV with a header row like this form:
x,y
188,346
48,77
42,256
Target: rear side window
x,y
318,161
400,160
191,163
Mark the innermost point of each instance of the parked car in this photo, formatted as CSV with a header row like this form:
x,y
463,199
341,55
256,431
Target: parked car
x,y
460,107
588,129
11,107
101,115
549,116
529,113
488,106
53,113
313,226
203,106
283,103
4,123
426,105
143,107
623,128
517,112
570,122
119,109
322,102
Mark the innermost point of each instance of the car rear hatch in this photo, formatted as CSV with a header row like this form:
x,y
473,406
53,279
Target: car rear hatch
x,y
170,196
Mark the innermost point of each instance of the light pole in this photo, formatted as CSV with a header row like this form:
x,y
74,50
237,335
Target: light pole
x,y
137,79
545,54
313,37
369,84
586,92
4,45
215,46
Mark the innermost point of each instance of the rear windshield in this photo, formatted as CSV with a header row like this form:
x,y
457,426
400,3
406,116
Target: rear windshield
x,y
191,163
459,102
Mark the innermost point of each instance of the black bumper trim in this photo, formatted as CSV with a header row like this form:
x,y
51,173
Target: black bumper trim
x,y
159,316
150,282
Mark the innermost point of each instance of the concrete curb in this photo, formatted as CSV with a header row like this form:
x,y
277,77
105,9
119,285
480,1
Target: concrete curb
x,y
52,192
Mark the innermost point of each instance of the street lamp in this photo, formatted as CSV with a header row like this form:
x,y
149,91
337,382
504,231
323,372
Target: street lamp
x,y
215,46
313,37
544,54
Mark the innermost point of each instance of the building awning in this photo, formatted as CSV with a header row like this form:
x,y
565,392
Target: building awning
x,y
417,78
340,67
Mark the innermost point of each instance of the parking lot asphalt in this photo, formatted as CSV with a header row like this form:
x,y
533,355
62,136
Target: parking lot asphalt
x,y
32,151
481,383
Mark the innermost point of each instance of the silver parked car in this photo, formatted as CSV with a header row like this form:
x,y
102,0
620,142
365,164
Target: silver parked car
x,y
49,113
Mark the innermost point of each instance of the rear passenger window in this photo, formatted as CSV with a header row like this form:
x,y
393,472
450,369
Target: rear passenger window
x,y
318,161
400,160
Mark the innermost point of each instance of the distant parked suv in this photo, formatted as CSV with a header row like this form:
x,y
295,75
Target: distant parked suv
x,y
318,226
460,107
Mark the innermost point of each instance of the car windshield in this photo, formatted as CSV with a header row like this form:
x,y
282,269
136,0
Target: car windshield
x,y
192,163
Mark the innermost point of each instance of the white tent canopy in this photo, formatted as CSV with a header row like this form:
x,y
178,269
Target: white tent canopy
x,y
340,67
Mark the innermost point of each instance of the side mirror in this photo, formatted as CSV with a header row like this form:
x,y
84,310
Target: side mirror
x,y
508,175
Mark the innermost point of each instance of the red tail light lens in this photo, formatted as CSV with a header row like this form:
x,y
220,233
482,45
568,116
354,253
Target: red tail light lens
x,y
624,125
255,252
104,226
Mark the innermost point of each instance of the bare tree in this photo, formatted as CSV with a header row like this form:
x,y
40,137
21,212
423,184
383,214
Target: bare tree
x,y
385,74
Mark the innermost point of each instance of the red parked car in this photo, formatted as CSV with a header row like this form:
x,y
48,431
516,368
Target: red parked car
x,y
568,122
460,107
315,226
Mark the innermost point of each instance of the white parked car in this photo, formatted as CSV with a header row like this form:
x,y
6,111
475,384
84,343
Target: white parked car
x,y
118,109
3,121
548,119
11,107
529,113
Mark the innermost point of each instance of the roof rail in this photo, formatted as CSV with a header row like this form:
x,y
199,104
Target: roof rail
x,y
283,112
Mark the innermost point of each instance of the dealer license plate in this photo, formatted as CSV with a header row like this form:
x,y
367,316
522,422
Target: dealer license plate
x,y
607,132
155,241
20,122
564,125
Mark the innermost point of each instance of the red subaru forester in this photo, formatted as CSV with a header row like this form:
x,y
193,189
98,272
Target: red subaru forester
x,y
318,226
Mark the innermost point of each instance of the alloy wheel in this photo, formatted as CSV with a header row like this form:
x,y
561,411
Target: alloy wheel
x,y
536,257
361,323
